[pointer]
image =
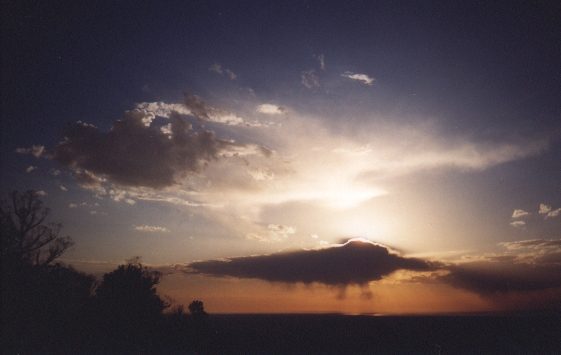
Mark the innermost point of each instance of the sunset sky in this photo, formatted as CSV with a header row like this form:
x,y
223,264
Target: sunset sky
x,y
297,156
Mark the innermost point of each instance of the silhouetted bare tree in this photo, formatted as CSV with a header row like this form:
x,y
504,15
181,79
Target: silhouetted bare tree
x,y
41,299
26,235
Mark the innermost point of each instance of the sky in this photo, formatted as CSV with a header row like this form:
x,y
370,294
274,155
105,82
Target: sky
x,y
297,156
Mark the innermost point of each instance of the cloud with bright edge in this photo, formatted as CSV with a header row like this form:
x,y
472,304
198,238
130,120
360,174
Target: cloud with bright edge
x,y
523,267
270,109
544,209
355,262
175,160
519,213
518,224
554,213
362,78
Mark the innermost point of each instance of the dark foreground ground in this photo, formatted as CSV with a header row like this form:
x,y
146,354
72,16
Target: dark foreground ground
x,y
489,334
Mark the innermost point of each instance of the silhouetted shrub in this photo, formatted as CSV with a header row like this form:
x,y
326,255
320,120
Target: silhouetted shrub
x,y
197,308
127,307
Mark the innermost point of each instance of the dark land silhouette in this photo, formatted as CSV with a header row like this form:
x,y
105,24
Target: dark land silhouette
x,y
50,308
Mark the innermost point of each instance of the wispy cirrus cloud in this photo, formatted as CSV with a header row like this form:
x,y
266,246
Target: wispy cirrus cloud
x,y
321,61
36,150
221,70
309,79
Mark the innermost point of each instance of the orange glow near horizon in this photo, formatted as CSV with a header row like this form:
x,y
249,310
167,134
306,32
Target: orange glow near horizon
x,y
228,295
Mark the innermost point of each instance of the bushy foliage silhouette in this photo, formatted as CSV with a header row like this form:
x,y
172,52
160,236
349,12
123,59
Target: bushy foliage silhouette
x,y
127,306
197,308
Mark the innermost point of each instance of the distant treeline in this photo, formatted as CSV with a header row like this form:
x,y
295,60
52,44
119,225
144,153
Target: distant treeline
x,y
48,307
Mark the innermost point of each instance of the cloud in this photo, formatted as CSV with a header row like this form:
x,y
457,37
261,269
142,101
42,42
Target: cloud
x,y
554,213
548,211
528,265
261,174
218,69
274,233
533,244
162,109
270,109
544,209
321,61
309,79
205,112
36,150
519,214
518,224
231,75
357,262
134,154
363,78
151,229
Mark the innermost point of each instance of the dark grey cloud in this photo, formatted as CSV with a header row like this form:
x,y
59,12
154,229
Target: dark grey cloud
x,y
136,153
355,262
197,106
528,265
501,276
205,112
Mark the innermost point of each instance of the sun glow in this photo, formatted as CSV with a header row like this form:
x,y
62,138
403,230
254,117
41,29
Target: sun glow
x,y
365,226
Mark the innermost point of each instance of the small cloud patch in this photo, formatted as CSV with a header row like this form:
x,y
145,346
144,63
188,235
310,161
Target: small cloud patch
x,y
519,213
362,78
151,229
270,109
518,224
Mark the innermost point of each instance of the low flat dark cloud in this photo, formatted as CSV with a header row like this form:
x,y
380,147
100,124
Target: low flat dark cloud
x,y
525,266
528,265
492,277
135,153
355,262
